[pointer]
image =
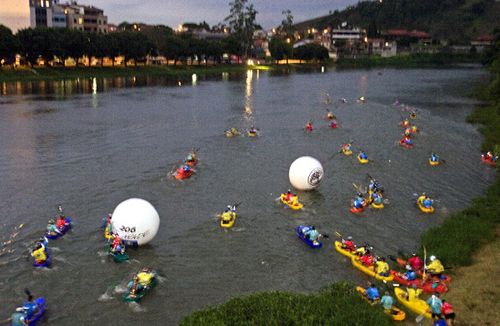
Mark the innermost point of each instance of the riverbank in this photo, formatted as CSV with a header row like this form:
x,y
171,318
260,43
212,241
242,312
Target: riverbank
x,y
408,61
8,74
337,304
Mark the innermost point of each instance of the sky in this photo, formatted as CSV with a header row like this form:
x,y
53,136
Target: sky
x,y
15,13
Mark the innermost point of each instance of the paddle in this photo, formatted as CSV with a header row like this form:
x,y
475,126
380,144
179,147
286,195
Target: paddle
x,y
420,317
425,263
338,234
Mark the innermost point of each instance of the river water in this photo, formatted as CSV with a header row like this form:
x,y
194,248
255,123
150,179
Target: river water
x,y
91,144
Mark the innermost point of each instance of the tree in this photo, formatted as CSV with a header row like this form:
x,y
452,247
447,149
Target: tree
x,y
311,51
241,20
287,23
8,44
280,49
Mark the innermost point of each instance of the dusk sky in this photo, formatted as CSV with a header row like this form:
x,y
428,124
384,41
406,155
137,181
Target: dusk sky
x,y
15,13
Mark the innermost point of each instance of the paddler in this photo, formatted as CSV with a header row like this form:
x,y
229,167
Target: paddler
x,y
52,228
381,267
312,234
435,303
346,147
367,259
333,124
372,292
359,201
228,214
410,274
435,268
30,308
117,244
406,140
253,131
39,253
330,115
362,155
348,244
141,280
377,198
387,301
416,263
61,222
427,202
289,196
405,123
309,126
434,157
191,158
448,313
413,293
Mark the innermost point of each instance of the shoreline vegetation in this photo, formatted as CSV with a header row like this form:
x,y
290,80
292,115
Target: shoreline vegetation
x,y
26,73
467,243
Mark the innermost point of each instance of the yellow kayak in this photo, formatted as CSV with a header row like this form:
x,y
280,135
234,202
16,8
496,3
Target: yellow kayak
x,y
346,152
107,235
251,134
295,206
421,206
362,161
418,306
395,313
378,206
433,163
228,223
347,253
370,270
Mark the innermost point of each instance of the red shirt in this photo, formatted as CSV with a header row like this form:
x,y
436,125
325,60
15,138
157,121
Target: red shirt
x,y
367,260
60,223
446,308
349,245
416,263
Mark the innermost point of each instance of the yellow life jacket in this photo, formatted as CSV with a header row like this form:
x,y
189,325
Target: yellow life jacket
x,y
435,267
39,254
413,294
145,278
382,267
227,216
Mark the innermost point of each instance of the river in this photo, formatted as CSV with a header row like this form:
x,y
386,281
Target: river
x,y
91,144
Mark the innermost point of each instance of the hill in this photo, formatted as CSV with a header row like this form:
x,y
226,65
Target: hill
x,y
455,20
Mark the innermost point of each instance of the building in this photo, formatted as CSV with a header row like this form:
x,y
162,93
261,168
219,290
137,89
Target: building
x,y
50,13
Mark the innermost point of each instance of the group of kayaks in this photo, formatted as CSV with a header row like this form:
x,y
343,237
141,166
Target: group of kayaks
x,y
416,305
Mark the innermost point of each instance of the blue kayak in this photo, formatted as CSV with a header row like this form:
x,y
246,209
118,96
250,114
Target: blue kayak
x,y
18,317
63,231
299,230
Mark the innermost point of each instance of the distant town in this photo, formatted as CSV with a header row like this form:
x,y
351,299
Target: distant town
x,y
61,26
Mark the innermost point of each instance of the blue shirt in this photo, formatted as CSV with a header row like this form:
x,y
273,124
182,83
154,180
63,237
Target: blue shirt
x,y
427,202
372,293
387,301
363,156
411,275
435,304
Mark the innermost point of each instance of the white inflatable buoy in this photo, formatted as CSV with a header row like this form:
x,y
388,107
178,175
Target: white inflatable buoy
x,y
136,221
305,173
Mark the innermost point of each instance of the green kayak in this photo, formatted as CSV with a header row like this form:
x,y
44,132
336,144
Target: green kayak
x,y
118,257
129,296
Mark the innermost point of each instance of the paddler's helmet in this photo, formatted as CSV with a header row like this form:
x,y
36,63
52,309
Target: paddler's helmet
x,y
432,258
408,267
51,221
349,238
360,194
414,254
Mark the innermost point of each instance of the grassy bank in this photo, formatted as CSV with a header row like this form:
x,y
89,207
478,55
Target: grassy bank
x,y
57,73
407,61
338,304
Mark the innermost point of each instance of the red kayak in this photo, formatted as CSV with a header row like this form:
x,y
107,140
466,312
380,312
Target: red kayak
x,y
444,278
427,287
488,162
404,144
356,210
181,174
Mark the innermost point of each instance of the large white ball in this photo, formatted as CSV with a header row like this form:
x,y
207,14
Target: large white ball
x,y
305,173
136,221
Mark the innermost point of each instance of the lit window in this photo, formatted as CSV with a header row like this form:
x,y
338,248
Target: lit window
x,y
80,21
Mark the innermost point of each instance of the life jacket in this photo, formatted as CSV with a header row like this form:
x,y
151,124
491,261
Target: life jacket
x,y
39,254
382,267
427,203
288,196
367,260
61,223
349,245
145,278
411,275
413,294
226,216
416,263
435,267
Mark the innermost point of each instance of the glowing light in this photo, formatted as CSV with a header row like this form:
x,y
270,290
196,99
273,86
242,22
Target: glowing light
x,y
250,62
386,44
248,95
94,85
322,68
225,76
194,79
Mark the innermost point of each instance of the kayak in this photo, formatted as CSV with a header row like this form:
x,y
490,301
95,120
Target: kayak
x,y
228,224
63,230
346,152
347,253
18,317
395,313
107,235
377,206
118,257
181,175
418,306
251,134
488,162
333,125
402,143
300,234
295,207
434,163
128,297
231,133
362,161
355,210
427,287
370,270
421,206
444,278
